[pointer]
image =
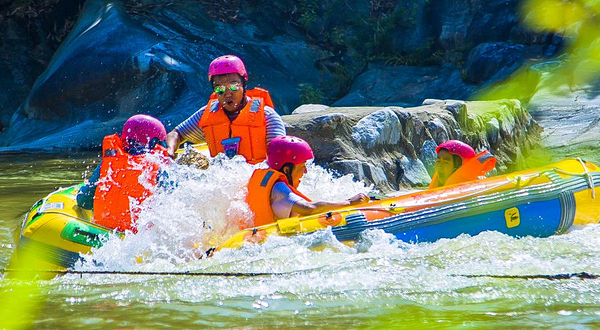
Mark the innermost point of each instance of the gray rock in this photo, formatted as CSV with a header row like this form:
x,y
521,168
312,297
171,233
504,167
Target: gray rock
x,y
379,128
431,101
455,107
493,131
438,130
374,174
429,156
331,121
359,140
306,108
570,118
415,173
344,167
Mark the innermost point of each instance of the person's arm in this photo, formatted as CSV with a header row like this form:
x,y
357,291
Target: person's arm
x,y
274,124
188,130
85,196
304,207
173,142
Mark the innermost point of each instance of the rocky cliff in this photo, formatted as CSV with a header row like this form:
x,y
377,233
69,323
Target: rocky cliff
x,y
150,56
130,56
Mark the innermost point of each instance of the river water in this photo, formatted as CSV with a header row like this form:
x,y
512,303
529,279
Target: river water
x,y
304,282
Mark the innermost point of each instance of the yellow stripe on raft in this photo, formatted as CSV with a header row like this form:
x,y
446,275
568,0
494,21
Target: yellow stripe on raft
x,y
587,207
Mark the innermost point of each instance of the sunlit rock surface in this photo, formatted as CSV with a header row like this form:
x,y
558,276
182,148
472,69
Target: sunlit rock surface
x,y
394,147
571,121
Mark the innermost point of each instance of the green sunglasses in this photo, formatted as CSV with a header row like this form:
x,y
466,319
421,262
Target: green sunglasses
x,y
234,87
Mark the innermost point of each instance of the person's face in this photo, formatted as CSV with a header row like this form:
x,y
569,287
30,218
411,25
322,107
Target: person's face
x,y
444,165
297,174
230,91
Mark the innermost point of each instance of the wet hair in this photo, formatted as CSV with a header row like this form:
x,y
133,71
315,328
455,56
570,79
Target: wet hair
x,y
457,161
287,175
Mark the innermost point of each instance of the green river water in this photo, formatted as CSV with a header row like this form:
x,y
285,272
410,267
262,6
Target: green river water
x,y
383,284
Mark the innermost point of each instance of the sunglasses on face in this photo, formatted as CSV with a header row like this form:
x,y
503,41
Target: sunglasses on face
x,y
234,87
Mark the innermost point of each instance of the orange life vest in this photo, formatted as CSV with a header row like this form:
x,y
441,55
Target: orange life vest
x,y
473,168
259,194
119,186
249,126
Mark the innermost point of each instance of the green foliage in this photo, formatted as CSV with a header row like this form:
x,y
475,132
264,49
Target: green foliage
x,y
308,13
47,17
310,94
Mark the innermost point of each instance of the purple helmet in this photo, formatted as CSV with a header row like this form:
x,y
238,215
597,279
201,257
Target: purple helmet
x,y
142,129
227,64
288,149
459,148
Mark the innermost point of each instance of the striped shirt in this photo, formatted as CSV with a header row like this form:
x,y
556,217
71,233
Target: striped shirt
x,y
190,131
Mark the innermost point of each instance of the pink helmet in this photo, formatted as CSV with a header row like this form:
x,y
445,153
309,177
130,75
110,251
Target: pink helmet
x,y
288,149
227,64
143,128
459,148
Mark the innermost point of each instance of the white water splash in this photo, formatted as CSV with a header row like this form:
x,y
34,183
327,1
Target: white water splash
x,y
201,209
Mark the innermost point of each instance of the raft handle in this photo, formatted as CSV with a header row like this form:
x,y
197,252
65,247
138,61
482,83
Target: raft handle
x,y
589,178
586,174
91,236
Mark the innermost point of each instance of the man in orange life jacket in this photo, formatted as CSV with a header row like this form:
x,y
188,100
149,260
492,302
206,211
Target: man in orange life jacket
x,y
120,182
457,162
272,192
236,121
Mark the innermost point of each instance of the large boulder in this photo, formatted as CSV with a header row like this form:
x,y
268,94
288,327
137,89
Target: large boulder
x,y
114,64
394,147
129,56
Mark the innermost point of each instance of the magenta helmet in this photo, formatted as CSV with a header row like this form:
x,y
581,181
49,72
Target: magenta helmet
x,y
288,149
227,64
459,148
142,129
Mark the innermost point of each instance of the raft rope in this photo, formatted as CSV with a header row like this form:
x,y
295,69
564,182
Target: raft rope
x,y
517,180
148,273
76,218
589,178
565,276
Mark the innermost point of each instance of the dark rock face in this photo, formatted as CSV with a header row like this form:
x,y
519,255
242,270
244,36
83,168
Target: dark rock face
x,y
414,34
405,86
489,59
112,66
30,33
130,56
465,23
